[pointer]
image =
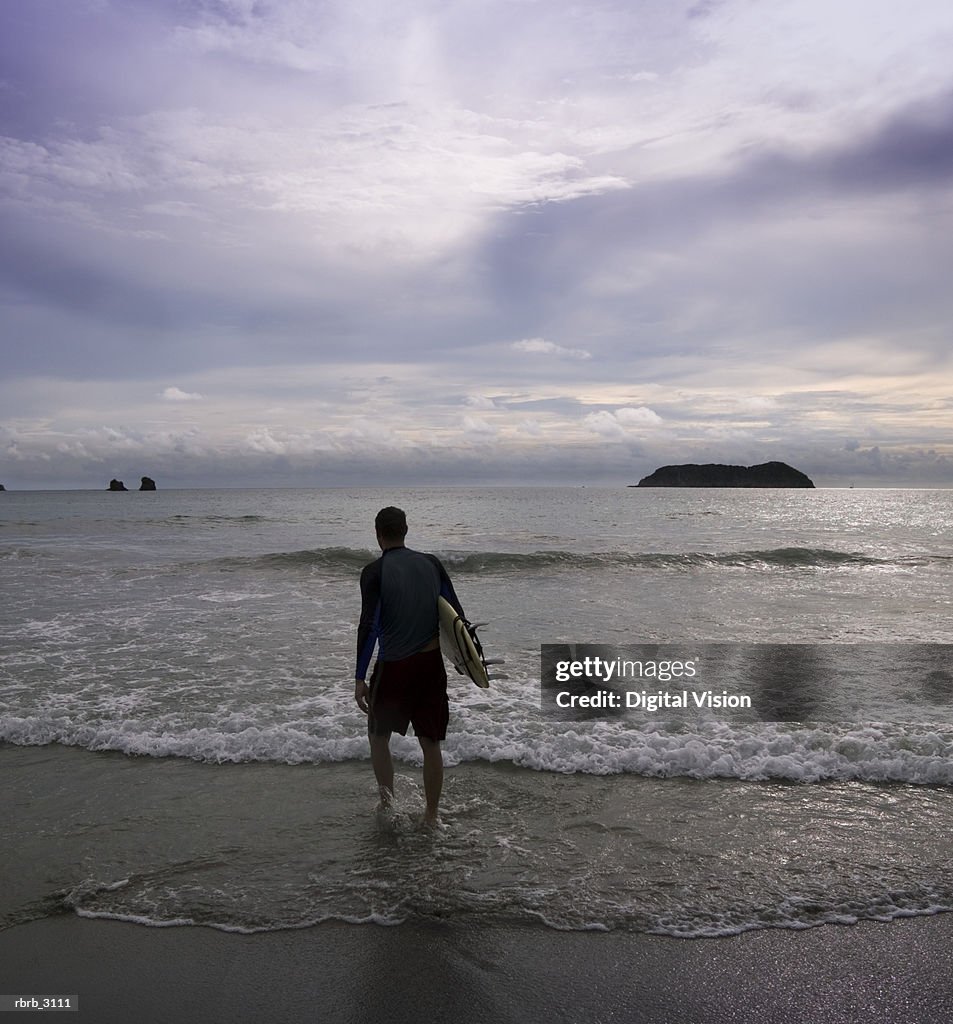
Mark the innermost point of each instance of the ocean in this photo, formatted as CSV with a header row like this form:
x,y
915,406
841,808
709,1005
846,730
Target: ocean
x,y
180,745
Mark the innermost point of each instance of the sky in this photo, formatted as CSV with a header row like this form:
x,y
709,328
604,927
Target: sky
x,y
329,243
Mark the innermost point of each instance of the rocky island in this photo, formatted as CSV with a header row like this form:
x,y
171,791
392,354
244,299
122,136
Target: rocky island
x,y
712,474
146,484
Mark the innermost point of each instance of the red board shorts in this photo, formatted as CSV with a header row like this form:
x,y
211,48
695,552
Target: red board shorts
x,y
412,691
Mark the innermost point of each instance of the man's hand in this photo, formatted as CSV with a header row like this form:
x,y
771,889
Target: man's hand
x,y
361,694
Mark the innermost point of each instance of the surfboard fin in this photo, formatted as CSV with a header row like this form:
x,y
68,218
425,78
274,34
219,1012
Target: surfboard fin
x,y
494,661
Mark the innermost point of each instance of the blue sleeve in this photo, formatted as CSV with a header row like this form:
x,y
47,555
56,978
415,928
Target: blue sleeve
x,y
446,587
368,630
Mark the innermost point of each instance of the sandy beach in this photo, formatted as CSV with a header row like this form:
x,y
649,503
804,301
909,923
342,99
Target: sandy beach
x,y
898,972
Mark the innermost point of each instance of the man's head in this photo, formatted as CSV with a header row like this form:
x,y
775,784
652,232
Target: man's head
x,y
391,526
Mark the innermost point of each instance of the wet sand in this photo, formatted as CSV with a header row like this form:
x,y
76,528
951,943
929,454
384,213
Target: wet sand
x,y
899,972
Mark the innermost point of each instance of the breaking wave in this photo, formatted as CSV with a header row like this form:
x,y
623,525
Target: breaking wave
x,y
792,752
342,559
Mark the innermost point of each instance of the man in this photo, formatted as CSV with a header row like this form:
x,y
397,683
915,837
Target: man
x,y
399,595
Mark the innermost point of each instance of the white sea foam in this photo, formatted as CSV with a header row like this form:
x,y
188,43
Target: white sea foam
x,y
174,922
788,916
237,929
874,753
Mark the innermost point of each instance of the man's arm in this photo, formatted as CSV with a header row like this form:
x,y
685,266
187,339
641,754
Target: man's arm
x,y
446,587
367,630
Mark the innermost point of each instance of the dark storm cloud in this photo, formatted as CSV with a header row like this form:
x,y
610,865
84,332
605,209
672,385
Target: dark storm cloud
x,y
543,260
72,63
106,317
911,150
37,268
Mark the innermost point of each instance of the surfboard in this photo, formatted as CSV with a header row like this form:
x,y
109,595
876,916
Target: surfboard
x,y
459,643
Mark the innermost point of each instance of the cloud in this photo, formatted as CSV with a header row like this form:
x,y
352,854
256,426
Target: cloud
x,y
480,402
620,423
640,417
756,405
911,149
174,394
478,428
262,441
605,424
539,346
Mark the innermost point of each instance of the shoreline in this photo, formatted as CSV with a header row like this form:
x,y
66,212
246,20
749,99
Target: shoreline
x,y
897,972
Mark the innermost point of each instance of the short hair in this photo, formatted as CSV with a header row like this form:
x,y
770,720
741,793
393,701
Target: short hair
x,y
391,523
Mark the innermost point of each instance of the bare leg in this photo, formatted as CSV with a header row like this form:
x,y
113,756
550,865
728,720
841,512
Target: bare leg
x,y
383,767
433,776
